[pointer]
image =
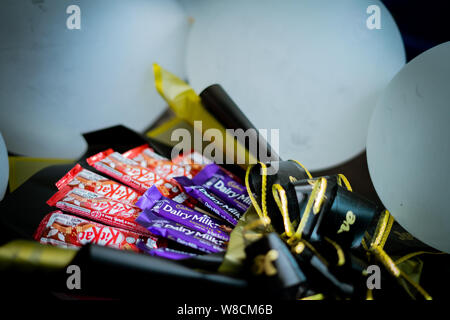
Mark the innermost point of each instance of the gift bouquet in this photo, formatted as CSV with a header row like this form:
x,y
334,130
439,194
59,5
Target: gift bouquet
x,y
130,210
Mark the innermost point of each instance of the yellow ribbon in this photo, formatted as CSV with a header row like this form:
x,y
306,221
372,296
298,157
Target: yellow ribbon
x,y
279,194
187,105
413,254
343,179
318,296
376,248
339,252
23,253
314,202
304,168
262,213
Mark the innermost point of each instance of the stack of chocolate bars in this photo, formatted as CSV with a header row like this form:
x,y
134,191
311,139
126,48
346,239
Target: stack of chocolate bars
x,y
175,209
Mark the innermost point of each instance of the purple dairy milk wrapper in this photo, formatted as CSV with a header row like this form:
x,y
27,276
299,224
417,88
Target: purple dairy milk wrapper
x,y
166,253
170,210
179,233
213,178
210,201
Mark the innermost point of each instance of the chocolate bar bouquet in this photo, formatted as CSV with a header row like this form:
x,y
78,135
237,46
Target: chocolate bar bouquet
x,y
131,212
149,200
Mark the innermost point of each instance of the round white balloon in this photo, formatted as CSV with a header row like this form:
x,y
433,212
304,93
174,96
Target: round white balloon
x,y
57,81
408,147
313,69
4,168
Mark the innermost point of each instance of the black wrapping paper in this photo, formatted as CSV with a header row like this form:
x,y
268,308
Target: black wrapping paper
x,y
333,219
219,103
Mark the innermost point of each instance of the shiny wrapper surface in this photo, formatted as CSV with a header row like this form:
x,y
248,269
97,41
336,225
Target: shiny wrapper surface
x,y
168,209
96,207
81,178
213,178
180,234
68,231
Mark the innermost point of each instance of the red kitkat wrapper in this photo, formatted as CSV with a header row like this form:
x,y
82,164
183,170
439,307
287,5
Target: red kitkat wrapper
x,y
131,173
64,230
192,157
96,207
147,158
197,161
78,177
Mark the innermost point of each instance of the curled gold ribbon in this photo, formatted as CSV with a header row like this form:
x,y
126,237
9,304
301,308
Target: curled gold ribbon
x,y
279,194
315,199
377,249
263,263
262,212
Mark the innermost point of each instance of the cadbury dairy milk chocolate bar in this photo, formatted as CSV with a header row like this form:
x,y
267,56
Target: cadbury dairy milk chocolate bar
x,y
210,201
166,253
213,178
168,209
179,233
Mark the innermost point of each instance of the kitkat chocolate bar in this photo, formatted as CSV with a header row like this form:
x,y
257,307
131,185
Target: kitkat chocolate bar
x,y
96,207
147,158
79,177
130,172
198,161
68,231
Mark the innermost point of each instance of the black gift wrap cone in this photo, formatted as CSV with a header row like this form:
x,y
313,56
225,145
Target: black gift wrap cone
x,y
272,269
281,272
364,210
343,217
222,107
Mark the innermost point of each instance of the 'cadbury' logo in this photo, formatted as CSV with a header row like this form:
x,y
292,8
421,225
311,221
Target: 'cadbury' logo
x,y
182,207
235,185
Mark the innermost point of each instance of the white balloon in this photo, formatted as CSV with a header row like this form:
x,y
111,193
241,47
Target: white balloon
x,y
312,69
57,82
4,168
408,147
